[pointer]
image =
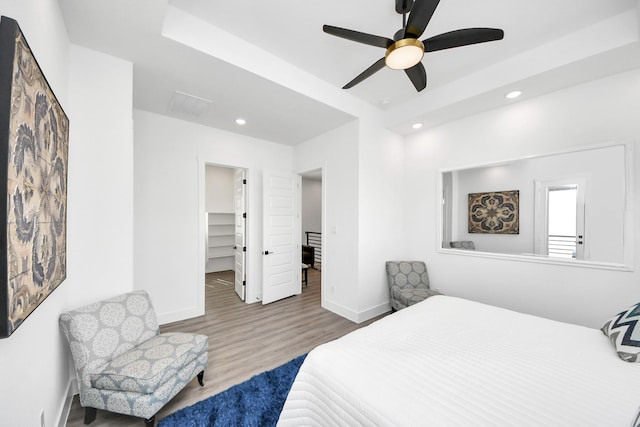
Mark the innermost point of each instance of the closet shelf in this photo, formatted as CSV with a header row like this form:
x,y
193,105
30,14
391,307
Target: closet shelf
x,y
220,241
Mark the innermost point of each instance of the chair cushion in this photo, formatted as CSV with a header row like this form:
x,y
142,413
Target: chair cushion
x,y
147,366
410,296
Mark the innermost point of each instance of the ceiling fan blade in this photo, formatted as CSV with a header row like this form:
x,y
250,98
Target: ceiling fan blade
x,y
418,76
377,66
419,17
357,36
463,37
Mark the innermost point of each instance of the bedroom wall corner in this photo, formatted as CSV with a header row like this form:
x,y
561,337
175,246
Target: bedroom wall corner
x,y
381,228
337,152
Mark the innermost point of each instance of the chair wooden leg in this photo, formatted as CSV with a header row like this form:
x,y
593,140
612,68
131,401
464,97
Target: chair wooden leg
x,y
89,415
150,422
201,378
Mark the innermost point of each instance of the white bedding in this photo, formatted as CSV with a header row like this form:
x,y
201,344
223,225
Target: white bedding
x,y
452,362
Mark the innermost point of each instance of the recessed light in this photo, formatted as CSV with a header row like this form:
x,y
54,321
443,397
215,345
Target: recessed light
x,y
514,94
416,125
385,101
241,122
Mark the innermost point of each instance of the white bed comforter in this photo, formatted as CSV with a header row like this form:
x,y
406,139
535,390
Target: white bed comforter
x,y
452,362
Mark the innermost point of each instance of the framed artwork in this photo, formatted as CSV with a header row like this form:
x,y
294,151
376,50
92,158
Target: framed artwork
x,y
495,212
34,141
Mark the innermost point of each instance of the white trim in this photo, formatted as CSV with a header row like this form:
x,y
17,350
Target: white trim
x,y
323,226
176,316
582,185
372,312
628,143
72,390
202,233
629,226
540,259
202,246
357,316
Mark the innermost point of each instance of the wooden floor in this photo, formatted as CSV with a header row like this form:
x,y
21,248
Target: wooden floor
x,y
244,340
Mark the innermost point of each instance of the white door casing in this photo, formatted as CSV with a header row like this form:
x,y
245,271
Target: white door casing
x,y
240,248
541,202
281,236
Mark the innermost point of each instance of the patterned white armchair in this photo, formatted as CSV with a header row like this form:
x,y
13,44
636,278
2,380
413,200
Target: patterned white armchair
x,y
408,283
123,364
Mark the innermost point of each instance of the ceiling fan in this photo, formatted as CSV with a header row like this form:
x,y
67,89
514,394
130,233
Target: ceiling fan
x,y
405,51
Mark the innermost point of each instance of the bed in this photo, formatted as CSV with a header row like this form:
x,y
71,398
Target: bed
x,y
453,362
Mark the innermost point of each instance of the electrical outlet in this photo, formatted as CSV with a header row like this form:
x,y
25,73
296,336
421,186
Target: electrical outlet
x,y
42,418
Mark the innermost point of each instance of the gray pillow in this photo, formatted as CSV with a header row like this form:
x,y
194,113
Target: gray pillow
x,y
624,332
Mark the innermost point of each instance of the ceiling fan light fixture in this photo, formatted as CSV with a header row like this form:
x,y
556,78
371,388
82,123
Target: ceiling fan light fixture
x,y
404,54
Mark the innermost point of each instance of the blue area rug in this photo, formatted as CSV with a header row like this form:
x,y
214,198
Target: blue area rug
x,y
256,402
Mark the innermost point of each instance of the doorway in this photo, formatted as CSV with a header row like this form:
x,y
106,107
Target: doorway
x,y
312,220
225,211
560,229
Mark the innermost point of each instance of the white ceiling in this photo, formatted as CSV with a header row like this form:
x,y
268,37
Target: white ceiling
x,y
270,62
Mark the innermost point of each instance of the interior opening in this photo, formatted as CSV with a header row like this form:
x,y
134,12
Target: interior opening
x,y
225,203
562,228
311,229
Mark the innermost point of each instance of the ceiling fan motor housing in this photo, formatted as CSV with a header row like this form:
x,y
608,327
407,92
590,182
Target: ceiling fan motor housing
x,y
404,6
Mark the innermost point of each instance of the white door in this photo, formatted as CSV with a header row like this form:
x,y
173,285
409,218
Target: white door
x,y
281,236
240,247
560,212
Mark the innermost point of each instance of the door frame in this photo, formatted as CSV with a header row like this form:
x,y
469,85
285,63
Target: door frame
x,y
323,221
202,226
541,206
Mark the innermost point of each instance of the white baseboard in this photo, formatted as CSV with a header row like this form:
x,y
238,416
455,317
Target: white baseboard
x,y
176,316
356,316
72,390
340,310
372,312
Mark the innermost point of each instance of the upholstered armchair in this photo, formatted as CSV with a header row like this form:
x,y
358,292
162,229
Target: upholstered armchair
x,y
408,283
462,244
123,363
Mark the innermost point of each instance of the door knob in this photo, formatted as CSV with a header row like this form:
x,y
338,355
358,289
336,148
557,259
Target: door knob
x,y
266,252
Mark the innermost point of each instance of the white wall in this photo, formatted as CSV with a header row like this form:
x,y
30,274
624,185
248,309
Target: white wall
x,y
362,214
24,378
336,152
588,114
311,206
95,91
604,171
381,179
100,219
170,158
219,189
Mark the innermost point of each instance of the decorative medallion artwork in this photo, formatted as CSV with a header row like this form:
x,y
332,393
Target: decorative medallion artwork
x,y
494,213
34,141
